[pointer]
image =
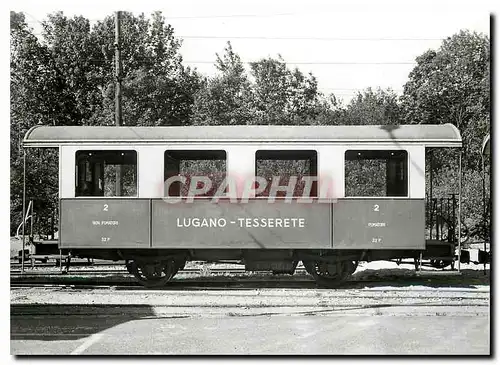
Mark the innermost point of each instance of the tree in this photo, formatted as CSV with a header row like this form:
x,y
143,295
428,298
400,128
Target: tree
x,y
74,53
33,100
157,88
270,94
283,96
377,108
226,98
451,85
67,78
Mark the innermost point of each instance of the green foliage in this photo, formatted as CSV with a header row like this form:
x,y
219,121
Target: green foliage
x,y
74,54
377,108
284,96
156,88
365,178
225,99
128,179
268,93
451,85
67,78
33,99
41,187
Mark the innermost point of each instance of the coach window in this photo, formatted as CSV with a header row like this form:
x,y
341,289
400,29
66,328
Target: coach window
x,y
285,164
106,173
188,163
376,173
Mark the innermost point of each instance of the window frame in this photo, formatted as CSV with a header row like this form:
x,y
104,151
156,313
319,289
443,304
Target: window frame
x,y
407,170
178,150
313,152
137,184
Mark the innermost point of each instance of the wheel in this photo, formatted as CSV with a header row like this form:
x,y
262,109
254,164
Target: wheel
x,y
440,264
330,274
153,274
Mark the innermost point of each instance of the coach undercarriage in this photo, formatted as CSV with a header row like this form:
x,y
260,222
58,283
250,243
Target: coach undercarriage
x,y
329,268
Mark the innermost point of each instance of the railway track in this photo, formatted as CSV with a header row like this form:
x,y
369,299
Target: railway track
x,y
74,271
343,292
199,290
250,282
196,300
105,268
15,268
104,274
74,263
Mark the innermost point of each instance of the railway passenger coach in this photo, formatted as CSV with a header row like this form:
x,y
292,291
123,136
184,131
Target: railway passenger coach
x,y
269,196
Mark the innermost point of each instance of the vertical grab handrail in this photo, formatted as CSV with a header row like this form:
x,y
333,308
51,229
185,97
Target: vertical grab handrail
x,y
26,217
459,207
24,208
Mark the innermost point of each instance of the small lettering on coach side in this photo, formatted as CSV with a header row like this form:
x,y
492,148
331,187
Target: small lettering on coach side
x,y
377,224
105,223
109,223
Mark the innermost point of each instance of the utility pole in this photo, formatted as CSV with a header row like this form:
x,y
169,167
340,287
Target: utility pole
x,y
118,93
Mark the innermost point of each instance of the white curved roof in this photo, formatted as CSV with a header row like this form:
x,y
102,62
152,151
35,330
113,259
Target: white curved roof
x,y
443,135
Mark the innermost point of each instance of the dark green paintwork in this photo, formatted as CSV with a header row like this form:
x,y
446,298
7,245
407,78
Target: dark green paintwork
x,y
355,222
341,225
79,228
315,233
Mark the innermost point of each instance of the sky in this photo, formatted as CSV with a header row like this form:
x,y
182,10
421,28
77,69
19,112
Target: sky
x,y
348,45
